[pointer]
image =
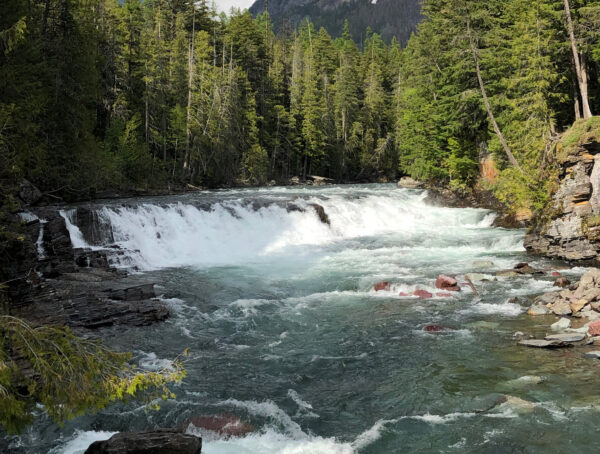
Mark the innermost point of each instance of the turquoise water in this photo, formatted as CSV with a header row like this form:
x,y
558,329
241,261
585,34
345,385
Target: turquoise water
x,y
287,333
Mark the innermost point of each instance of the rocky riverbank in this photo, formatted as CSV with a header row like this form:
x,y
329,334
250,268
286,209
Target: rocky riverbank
x,y
568,228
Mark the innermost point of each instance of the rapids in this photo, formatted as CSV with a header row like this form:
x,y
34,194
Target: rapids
x,y
287,333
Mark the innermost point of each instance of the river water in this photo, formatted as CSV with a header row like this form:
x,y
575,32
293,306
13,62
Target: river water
x,y
287,333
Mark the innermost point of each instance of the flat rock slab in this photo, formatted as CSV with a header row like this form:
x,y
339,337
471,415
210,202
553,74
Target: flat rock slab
x,y
542,343
594,354
538,310
566,337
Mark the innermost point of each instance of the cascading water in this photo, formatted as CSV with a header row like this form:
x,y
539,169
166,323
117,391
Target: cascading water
x,y
288,334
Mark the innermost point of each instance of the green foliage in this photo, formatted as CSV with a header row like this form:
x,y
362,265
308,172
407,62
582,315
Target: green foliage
x,y
582,131
68,375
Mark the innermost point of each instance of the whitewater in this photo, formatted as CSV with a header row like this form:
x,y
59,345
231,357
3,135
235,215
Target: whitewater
x,y
288,334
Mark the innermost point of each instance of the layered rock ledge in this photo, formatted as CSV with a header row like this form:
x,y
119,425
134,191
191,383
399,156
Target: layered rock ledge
x,y
569,226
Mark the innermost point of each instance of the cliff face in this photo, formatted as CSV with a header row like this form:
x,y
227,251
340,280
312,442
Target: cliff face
x,y
389,18
569,227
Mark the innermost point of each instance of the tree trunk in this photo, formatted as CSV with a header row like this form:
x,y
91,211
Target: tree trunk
x,y
186,160
580,70
576,105
486,101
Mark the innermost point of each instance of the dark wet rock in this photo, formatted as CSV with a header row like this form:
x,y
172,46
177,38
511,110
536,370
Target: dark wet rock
x,y
136,293
382,286
323,217
28,193
422,294
435,328
94,229
562,282
152,442
225,425
447,283
543,343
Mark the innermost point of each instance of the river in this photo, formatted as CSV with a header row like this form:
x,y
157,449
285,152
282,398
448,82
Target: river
x,y
287,333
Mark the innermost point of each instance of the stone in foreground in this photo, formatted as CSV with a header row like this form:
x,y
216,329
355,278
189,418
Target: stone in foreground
x,y
538,310
566,337
593,354
153,442
542,343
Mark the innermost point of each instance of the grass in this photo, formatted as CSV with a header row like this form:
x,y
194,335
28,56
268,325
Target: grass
x,y
582,132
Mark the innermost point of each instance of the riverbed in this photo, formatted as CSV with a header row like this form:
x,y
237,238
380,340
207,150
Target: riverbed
x,y
287,333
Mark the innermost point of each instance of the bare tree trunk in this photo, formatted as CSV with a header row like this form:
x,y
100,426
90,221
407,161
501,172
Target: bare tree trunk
x,y
576,105
579,65
188,134
488,107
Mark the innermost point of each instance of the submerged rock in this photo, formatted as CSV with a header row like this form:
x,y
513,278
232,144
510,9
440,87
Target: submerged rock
x,y
382,286
153,442
447,283
435,328
225,425
482,264
566,337
543,343
422,294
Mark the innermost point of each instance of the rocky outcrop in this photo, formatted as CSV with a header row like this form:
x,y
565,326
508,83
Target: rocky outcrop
x,y
409,183
569,226
61,285
154,442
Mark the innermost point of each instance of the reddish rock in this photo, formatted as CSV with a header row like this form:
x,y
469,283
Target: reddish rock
x,y
556,274
447,283
561,282
225,425
443,295
422,294
434,328
403,294
594,328
385,286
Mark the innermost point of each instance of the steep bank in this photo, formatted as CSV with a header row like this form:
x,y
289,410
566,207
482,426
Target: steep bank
x,y
569,225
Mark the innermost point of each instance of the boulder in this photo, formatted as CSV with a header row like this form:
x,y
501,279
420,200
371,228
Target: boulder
x,y
28,193
321,214
561,307
576,306
594,328
382,286
422,294
409,183
561,282
447,283
560,325
152,442
547,298
538,309
593,354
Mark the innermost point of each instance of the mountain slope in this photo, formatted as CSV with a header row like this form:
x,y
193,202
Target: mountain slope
x,y
389,18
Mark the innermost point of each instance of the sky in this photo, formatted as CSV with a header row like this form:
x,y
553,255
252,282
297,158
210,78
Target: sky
x,y
225,5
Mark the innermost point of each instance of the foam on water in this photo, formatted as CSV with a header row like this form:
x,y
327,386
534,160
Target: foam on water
x,y
235,231
81,441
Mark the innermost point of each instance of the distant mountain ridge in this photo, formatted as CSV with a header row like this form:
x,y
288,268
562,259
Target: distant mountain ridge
x,y
389,18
